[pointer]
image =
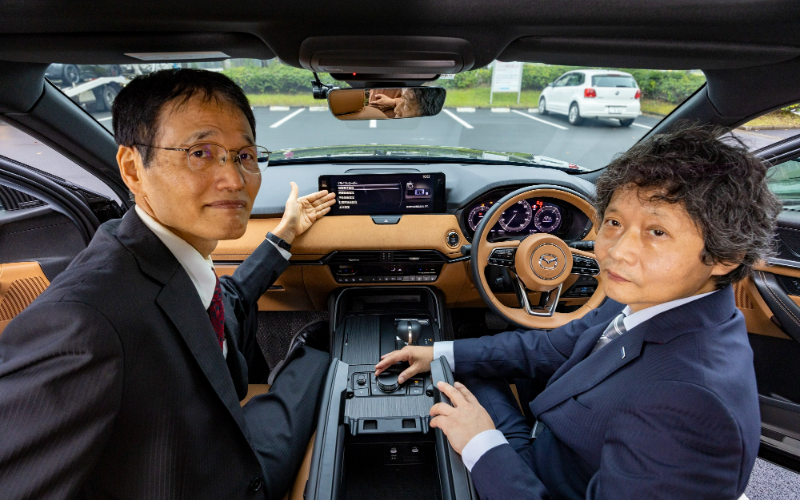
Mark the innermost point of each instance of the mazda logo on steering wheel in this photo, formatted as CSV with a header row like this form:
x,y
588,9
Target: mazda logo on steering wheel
x,y
548,261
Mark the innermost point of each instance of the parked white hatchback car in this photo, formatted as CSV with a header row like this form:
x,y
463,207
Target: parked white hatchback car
x,y
593,93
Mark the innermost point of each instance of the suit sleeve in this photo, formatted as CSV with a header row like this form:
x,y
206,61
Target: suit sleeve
x,y
253,277
60,390
521,353
679,441
242,290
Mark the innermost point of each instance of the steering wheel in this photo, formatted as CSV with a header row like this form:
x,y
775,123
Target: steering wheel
x,y
540,263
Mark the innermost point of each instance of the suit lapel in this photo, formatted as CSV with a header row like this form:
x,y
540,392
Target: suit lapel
x,y
192,323
587,373
180,303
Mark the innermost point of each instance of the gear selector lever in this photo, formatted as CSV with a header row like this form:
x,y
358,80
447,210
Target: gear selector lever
x,y
409,330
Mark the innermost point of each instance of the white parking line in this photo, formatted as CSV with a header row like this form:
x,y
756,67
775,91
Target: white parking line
x,y
459,120
104,119
643,126
286,118
373,124
526,115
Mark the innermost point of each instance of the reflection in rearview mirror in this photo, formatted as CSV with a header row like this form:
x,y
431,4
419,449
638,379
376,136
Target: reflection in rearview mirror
x,y
384,104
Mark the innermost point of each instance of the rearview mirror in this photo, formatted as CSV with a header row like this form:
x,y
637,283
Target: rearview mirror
x,y
385,104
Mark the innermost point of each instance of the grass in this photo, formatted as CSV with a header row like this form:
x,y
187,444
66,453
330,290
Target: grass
x,y
778,118
284,100
657,107
479,98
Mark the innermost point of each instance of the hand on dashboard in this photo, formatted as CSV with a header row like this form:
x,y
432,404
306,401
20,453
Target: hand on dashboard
x,y
418,358
462,421
301,213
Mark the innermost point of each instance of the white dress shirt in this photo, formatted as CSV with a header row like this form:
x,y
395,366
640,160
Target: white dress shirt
x,y
487,440
200,269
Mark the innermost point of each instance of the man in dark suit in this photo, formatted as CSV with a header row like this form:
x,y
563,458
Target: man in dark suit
x,y
653,394
123,379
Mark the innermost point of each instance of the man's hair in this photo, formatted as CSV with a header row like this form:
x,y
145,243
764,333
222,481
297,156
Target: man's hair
x,y
138,106
430,99
720,184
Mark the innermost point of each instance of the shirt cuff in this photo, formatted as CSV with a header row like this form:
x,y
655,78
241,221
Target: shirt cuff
x,y
479,445
286,254
445,348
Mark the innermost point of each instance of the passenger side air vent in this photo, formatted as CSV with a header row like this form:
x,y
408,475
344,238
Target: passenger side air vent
x,y
356,257
417,256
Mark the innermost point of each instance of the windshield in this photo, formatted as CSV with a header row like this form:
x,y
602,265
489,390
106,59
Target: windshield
x,y
571,118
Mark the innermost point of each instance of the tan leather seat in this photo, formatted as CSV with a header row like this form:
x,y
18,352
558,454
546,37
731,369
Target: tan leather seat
x,y
296,491
348,104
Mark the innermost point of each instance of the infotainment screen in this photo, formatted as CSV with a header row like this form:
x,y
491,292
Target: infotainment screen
x,y
384,194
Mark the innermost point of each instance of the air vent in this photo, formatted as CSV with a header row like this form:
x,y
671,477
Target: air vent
x,y
11,199
356,257
19,296
417,256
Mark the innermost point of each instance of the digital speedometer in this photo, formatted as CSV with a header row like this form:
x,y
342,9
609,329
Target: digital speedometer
x,y
476,215
547,219
516,217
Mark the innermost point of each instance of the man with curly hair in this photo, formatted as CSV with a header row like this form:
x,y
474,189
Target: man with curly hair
x,y
653,394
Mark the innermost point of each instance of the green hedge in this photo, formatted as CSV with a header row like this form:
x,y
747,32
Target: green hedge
x,y
275,79
668,86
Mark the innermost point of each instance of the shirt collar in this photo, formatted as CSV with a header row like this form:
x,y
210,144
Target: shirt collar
x,y
199,268
634,319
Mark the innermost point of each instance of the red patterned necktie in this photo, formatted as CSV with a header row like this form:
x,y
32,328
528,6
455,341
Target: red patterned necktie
x,y
217,314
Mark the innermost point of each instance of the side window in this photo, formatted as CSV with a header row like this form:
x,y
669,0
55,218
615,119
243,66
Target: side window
x,y
770,128
562,81
579,78
21,147
784,181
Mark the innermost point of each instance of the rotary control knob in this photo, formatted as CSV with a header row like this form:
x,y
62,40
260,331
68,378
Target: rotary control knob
x,y
387,382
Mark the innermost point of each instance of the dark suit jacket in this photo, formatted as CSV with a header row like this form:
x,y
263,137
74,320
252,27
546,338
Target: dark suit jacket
x,y
676,416
112,383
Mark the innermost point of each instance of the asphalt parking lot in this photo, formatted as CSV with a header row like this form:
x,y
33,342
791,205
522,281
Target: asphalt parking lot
x,y
590,145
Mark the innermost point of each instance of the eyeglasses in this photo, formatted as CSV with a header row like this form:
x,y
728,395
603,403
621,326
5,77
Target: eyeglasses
x,y
204,155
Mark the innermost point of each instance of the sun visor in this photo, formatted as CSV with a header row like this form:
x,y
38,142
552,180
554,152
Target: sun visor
x,y
386,57
640,53
114,48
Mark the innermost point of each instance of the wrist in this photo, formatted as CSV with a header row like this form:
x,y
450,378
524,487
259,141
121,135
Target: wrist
x,y
284,233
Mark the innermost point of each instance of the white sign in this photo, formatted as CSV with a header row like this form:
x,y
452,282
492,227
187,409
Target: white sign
x,y
507,77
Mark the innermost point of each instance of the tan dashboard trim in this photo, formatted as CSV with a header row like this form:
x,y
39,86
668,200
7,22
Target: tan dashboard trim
x,y
351,232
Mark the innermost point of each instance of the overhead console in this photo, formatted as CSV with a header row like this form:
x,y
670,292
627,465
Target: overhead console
x,y
386,194
386,58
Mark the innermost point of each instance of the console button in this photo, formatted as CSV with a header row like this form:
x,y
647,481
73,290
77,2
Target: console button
x,y
386,219
417,391
361,379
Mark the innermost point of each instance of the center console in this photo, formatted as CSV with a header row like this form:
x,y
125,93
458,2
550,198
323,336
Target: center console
x,y
374,438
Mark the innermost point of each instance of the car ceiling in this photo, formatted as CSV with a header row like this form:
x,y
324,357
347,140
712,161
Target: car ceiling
x,y
684,33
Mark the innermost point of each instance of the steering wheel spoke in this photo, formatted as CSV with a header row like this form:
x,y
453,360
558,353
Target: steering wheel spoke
x,y
503,256
551,301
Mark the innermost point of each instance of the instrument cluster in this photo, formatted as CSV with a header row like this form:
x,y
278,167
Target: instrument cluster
x,y
530,216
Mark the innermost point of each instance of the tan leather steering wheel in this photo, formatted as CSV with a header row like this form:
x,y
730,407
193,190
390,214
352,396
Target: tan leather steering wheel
x,y
540,262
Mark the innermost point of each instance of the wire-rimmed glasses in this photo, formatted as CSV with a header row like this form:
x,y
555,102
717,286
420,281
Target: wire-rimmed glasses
x,y
204,155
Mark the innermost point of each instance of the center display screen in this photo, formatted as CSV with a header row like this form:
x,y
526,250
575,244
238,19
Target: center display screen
x,y
385,194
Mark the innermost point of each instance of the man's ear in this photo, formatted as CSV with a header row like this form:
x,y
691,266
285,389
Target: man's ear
x,y
130,168
723,268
